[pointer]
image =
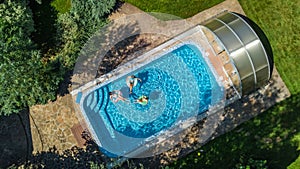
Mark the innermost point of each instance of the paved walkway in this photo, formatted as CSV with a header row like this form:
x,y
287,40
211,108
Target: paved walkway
x,y
51,124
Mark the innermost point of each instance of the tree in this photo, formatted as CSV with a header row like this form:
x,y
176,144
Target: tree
x,y
79,24
25,79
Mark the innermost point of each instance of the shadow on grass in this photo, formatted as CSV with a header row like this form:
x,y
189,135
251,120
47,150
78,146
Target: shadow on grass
x,y
268,136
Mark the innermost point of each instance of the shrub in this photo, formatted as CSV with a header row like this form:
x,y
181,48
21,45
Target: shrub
x,y
25,80
76,26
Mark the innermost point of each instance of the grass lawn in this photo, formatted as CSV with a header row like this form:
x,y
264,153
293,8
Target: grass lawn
x,y
180,8
280,20
274,135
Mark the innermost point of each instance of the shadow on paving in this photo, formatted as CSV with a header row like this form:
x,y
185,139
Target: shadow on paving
x,y
15,138
75,157
107,49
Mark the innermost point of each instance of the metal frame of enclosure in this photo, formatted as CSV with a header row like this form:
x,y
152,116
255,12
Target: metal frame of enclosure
x,y
247,47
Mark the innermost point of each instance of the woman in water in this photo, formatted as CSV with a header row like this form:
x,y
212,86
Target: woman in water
x,y
132,81
116,96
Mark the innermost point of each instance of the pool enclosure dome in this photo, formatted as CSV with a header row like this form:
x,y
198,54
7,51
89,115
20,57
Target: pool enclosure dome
x,y
247,47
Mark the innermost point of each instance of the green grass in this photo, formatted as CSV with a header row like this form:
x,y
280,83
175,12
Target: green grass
x,y
295,165
180,8
280,20
273,136
62,6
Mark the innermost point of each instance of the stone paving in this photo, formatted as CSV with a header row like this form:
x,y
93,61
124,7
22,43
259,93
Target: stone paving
x,y
51,123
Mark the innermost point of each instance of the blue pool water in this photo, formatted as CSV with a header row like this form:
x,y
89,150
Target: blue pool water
x,y
179,85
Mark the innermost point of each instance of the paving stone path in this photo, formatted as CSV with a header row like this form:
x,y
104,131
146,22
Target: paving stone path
x,y
51,125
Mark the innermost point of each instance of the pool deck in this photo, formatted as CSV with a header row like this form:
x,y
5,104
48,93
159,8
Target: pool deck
x,y
57,124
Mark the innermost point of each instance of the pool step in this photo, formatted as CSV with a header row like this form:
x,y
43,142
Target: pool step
x,y
100,100
97,103
89,100
104,113
105,103
95,99
105,96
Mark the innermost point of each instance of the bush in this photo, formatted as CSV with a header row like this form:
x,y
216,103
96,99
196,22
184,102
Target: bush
x,y
76,26
252,163
25,80
62,6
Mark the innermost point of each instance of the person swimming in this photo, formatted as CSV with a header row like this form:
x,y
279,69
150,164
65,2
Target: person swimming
x,y
132,81
116,95
143,100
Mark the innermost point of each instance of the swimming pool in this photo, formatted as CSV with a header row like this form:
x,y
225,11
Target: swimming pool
x,y
179,85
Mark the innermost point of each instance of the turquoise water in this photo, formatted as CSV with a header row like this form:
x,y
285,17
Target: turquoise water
x,y
179,85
